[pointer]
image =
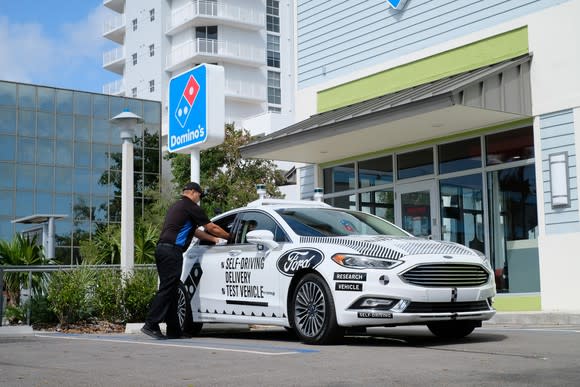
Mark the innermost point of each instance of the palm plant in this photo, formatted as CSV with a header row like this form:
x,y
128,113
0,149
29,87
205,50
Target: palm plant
x,y
21,251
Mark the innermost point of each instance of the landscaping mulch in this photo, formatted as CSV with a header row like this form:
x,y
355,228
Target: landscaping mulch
x,y
85,327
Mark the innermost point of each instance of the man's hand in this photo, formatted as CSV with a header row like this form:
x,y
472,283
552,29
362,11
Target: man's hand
x,y
221,242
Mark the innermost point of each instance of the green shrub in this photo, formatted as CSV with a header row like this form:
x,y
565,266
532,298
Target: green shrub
x,y
108,295
70,294
140,289
40,310
15,314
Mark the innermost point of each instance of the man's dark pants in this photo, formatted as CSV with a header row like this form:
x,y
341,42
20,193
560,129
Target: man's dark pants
x,y
168,259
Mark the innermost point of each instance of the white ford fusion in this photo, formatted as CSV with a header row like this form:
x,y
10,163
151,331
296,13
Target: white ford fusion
x,y
318,270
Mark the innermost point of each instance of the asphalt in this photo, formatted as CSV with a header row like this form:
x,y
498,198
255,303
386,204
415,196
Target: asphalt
x,y
500,319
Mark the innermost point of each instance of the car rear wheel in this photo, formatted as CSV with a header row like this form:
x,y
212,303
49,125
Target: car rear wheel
x,y
313,312
186,324
452,329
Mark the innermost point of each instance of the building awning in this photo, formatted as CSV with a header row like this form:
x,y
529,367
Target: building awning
x,y
480,98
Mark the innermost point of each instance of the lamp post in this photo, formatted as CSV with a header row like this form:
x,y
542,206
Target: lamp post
x,y
126,122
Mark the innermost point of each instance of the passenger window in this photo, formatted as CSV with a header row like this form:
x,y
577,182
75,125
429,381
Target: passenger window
x,y
258,221
227,223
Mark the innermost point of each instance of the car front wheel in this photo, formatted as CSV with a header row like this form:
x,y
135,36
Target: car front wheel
x,y
313,312
186,324
452,329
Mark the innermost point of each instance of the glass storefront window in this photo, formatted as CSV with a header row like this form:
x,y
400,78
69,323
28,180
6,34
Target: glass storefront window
x,y
339,178
514,229
101,131
25,176
415,164
462,211
63,178
62,205
82,180
64,150
348,202
375,171
380,203
151,112
82,154
101,107
513,145
460,155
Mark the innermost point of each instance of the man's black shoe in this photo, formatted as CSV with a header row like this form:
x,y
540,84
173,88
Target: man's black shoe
x,y
156,334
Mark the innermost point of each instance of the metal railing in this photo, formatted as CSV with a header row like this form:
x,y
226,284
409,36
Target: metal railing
x,y
47,269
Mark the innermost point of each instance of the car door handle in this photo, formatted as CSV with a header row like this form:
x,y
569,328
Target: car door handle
x,y
235,253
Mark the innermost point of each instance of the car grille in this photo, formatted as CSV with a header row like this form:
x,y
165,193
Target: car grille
x,y
446,275
446,307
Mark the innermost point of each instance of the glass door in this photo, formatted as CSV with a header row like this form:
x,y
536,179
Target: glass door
x,y
417,209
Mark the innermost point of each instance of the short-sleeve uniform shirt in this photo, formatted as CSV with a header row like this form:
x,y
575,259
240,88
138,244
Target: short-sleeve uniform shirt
x,y
181,221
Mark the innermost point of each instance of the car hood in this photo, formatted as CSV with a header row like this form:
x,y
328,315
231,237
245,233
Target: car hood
x,y
390,246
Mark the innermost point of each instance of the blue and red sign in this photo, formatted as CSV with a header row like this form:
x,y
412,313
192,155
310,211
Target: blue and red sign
x,y
196,110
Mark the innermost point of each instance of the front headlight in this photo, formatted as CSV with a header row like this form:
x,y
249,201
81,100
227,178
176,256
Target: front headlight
x,y
362,262
484,259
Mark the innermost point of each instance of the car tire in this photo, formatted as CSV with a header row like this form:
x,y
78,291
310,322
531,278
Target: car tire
x,y
313,314
184,316
452,329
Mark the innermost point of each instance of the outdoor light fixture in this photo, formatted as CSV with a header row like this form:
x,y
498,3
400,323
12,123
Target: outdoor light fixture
x,y
126,122
559,185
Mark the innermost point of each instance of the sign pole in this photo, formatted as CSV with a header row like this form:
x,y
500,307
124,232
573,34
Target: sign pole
x,y
195,160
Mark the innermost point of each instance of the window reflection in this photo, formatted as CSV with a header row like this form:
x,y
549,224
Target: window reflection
x,y
514,225
460,155
462,211
339,178
380,203
414,164
513,145
7,121
375,171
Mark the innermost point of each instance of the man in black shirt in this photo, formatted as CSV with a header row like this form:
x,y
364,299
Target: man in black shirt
x,y
181,224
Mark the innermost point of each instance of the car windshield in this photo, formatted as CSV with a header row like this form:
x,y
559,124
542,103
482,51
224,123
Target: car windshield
x,y
336,222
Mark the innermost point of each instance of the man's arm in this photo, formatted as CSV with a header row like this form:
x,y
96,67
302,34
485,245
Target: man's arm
x,y
216,230
202,235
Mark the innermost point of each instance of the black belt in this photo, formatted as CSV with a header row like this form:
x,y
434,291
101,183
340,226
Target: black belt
x,y
163,244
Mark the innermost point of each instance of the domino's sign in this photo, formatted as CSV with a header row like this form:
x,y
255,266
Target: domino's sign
x,y
397,4
196,109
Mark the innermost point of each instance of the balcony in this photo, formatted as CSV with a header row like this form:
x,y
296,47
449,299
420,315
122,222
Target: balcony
x,y
114,29
114,60
115,5
209,51
245,91
208,12
114,88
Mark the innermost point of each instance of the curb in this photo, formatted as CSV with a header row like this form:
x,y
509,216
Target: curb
x,y
534,318
16,331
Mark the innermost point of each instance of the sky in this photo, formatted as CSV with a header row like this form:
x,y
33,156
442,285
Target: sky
x,y
55,43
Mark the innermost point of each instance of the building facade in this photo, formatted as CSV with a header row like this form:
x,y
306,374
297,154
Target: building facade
x,y
457,121
252,39
60,155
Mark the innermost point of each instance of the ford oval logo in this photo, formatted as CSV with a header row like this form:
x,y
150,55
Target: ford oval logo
x,y
295,260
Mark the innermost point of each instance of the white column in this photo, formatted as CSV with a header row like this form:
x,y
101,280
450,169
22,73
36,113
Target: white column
x,y
127,210
195,161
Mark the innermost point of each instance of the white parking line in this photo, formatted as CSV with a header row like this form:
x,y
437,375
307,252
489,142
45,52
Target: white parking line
x,y
162,343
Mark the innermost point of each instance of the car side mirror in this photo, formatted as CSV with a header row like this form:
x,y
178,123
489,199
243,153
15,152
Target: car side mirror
x,y
262,237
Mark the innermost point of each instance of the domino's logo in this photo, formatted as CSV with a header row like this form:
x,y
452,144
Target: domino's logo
x,y
185,104
196,109
397,4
